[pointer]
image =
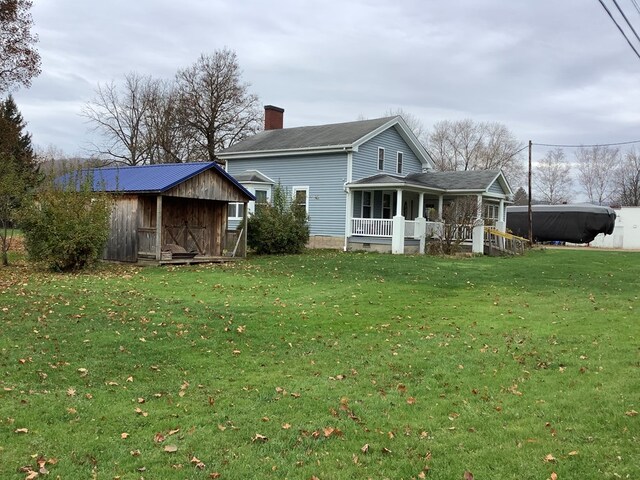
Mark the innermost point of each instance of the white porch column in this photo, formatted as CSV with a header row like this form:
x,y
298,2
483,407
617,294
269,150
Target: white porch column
x,y
440,206
398,202
397,240
501,223
477,246
421,232
421,224
348,217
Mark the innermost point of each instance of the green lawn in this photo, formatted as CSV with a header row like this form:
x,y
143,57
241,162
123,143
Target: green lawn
x,y
325,365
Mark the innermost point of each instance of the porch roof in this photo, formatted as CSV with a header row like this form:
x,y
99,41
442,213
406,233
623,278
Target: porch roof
x,y
473,181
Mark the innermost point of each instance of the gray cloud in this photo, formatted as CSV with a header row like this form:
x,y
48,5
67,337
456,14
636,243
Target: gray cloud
x,y
556,72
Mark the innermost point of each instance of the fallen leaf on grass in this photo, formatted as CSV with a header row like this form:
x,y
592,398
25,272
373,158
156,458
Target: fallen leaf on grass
x,y
554,476
259,438
631,413
468,475
549,458
573,453
365,448
124,435
286,426
411,400
170,448
21,430
214,475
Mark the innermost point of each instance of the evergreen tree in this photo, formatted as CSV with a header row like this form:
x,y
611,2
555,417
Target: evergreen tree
x,y
15,141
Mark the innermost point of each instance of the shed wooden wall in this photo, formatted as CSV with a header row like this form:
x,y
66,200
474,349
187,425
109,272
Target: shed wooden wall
x,y
122,244
206,220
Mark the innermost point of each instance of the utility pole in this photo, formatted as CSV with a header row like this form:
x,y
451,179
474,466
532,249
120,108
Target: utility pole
x,y
530,212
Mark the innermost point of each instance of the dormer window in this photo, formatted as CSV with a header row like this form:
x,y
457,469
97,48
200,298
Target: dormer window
x,y
380,158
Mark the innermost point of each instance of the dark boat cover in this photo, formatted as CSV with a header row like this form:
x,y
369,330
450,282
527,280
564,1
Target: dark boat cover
x,y
565,223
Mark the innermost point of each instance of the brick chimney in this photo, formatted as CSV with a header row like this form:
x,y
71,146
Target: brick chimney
x,y
273,117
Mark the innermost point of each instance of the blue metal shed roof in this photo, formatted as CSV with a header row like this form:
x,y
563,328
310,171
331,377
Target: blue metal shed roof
x,y
156,178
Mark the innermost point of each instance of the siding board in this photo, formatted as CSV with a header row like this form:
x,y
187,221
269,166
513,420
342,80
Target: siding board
x,y
325,175
365,160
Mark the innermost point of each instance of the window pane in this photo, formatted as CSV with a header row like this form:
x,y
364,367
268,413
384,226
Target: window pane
x,y
231,210
380,158
261,196
399,169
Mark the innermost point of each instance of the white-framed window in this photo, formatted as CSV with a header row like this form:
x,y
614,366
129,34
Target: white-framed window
x,y
262,196
300,197
380,158
367,204
235,210
399,162
490,212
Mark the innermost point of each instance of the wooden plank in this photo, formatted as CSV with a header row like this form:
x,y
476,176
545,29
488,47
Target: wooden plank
x,y
158,226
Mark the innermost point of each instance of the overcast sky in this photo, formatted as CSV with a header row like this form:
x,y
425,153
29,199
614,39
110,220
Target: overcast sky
x,y
553,71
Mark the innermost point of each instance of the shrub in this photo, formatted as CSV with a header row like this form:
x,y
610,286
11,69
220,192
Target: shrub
x,y
459,217
66,228
279,227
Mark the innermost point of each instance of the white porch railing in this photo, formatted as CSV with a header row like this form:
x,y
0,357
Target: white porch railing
x,y
372,227
382,227
434,229
409,228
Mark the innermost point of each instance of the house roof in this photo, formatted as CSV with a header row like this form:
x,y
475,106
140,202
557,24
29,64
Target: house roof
x,y
253,176
156,178
461,181
332,135
323,138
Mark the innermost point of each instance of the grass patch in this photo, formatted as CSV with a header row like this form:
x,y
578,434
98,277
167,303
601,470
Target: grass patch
x,y
349,366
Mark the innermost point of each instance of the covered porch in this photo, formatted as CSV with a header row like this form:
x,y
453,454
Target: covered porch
x,y
400,214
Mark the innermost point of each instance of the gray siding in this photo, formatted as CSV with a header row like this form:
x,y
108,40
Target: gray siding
x,y
325,176
365,160
496,188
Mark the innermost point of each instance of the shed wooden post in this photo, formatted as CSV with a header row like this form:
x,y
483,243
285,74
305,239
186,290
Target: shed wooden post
x,y
244,228
158,227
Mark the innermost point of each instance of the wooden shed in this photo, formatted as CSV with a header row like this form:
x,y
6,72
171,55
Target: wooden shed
x,y
189,201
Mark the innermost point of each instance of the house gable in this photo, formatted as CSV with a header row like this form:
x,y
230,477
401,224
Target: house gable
x,y
210,185
390,142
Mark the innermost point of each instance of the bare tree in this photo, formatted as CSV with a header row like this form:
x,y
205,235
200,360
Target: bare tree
x,y
553,178
168,142
458,216
19,60
412,121
596,168
215,105
628,184
469,145
119,113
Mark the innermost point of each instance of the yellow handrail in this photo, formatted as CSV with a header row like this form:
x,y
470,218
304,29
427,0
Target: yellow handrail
x,y
508,236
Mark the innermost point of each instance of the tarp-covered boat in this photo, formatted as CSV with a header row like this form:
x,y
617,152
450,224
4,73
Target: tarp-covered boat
x,y
564,223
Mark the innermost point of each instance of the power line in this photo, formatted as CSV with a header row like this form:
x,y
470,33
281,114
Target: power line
x,y
592,145
635,4
626,19
619,28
